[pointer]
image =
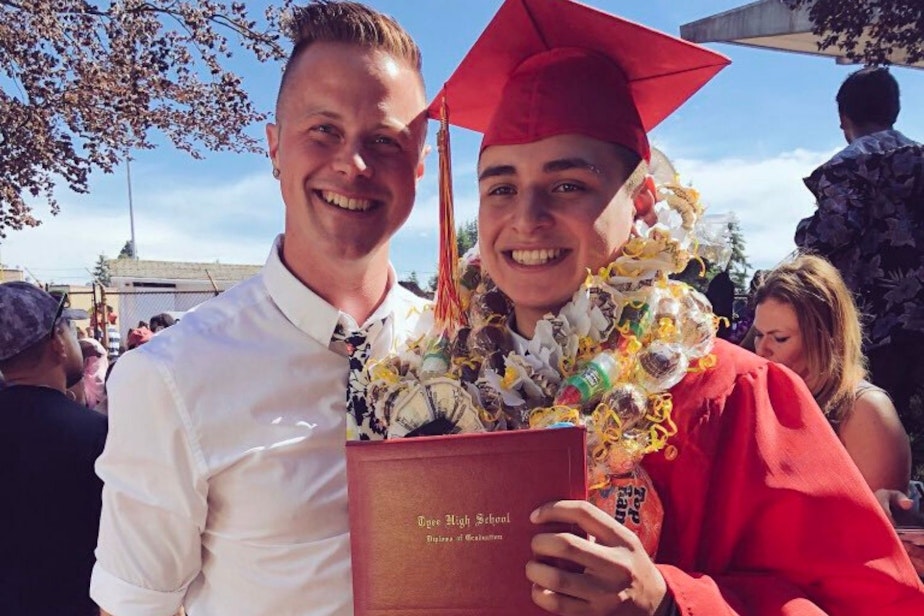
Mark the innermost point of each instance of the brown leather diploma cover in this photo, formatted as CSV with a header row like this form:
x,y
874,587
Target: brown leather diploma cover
x,y
439,525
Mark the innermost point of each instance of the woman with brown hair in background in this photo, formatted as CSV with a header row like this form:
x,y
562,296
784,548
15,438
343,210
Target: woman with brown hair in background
x,y
806,320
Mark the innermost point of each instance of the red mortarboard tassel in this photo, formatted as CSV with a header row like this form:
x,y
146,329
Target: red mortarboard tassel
x,y
448,311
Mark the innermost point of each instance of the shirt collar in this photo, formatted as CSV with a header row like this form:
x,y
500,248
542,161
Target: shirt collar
x,y
875,143
304,308
520,342
312,314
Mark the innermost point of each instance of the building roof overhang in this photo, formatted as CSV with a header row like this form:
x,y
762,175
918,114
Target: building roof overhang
x,y
769,24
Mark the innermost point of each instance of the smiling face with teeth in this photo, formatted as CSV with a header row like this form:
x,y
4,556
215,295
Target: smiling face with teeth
x,y
548,211
348,142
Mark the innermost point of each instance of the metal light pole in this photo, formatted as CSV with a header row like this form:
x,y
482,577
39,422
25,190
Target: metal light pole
x,y
131,210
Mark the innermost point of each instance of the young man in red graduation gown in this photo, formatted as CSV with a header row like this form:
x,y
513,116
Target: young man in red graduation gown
x,y
764,513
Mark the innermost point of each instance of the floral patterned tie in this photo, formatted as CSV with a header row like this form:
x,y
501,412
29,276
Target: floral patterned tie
x,y
361,425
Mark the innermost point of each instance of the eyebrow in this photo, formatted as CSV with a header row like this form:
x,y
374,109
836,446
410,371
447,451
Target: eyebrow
x,y
389,123
553,166
393,124
324,113
495,171
772,331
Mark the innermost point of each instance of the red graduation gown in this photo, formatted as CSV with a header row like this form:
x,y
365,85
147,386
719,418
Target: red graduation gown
x,y
764,512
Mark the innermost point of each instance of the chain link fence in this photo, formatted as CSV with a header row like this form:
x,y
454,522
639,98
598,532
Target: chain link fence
x,y
131,307
139,306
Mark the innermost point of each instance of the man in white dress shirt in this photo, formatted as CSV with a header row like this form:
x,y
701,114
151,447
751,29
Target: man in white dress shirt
x,y
225,482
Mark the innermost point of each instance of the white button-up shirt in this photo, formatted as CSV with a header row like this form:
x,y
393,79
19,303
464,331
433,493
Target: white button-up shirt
x,y
224,470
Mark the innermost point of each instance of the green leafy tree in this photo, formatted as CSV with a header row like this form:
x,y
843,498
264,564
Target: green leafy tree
x,y
466,237
412,284
101,273
128,251
82,83
868,31
738,265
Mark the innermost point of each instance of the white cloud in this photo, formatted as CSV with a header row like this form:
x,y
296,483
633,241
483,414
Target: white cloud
x,y
234,222
767,195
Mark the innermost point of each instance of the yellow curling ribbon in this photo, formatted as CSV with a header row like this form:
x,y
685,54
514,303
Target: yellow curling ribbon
x,y
635,247
625,329
497,319
661,406
702,266
587,346
380,370
487,416
666,327
703,363
416,343
546,416
458,363
589,278
657,438
633,344
510,377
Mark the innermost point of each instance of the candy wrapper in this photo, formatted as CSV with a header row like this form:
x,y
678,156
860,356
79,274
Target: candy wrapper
x,y
632,500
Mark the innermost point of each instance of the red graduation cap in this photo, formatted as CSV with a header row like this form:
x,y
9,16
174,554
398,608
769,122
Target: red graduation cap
x,y
551,67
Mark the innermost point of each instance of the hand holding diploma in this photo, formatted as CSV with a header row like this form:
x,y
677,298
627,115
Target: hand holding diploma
x,y
618,577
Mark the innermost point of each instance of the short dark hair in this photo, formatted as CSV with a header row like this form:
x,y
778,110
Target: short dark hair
x,y
161,320
341,21
869,96
629,158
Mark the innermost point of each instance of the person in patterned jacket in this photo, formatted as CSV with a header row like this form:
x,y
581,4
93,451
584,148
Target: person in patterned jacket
x,y
869,223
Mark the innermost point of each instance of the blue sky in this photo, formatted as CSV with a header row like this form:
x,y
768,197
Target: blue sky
x,y
745,141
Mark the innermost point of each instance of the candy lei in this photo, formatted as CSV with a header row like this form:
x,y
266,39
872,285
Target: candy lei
x,y
646,330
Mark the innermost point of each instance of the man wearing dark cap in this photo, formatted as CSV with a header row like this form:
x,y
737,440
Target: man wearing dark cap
x,y
741,499
48,445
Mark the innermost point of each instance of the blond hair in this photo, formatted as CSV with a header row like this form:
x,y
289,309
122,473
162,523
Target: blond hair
x,y
336,21
829,324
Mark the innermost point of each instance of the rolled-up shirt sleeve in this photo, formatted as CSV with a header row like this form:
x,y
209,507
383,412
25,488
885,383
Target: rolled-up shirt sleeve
x,y
154,497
